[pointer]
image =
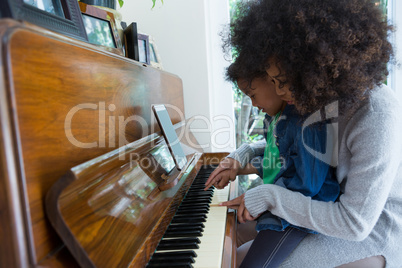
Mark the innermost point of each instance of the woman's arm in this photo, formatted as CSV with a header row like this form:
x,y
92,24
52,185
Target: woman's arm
x,y
372,140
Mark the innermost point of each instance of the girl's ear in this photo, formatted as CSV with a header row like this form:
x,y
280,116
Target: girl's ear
x,y
280,91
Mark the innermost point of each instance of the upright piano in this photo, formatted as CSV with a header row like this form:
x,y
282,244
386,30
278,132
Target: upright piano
x,y
86,177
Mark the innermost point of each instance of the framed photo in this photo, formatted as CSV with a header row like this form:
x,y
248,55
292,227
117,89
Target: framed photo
x,y
62,16
131,41
100,27
143,49
155,58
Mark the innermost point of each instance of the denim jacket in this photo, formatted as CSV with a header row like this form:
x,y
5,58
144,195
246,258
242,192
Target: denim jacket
x,y
300,171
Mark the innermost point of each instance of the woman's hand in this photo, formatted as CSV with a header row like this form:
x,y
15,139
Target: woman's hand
x,y
243,214
226,171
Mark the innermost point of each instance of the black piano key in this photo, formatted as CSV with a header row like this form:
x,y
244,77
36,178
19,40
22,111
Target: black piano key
x,y
189,253
199,194
188,220
184,245
198,181
204,173
200,186
193,205
195,215
178,243
187,225
193,195
191,211
171,234
178,258
180,240
203,177
211,191
197,200
182,264
195,227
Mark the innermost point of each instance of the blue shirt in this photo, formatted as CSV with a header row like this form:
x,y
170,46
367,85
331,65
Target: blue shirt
x,y
301,171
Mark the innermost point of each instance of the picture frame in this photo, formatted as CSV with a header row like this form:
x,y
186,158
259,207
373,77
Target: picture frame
x,y
143,49
101,28
61,16
131,41
154,56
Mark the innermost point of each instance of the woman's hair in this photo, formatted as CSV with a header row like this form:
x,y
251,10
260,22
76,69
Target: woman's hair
x,y
326,50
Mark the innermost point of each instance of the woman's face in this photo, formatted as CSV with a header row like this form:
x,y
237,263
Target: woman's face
x,y
263,95
284,93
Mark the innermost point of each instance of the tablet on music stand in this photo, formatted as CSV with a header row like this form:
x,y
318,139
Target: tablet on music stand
x,y
170,135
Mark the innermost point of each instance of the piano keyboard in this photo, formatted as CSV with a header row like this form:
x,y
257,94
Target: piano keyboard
x,y
195,236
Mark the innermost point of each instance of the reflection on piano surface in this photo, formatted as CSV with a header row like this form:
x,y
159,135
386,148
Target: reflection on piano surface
x,y
114,211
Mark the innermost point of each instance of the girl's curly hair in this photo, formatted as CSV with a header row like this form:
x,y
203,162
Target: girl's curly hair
x,y
326,50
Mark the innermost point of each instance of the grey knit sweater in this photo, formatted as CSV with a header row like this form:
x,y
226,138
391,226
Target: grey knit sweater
x,y
367,219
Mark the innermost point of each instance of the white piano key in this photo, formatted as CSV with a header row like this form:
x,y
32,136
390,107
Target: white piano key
x,y
220,195
209,253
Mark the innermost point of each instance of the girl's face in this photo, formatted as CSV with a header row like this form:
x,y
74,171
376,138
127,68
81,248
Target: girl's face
x,y
263,95
284,93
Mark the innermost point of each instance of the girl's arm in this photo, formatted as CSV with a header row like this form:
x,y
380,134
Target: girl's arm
x,y
227,171
246,152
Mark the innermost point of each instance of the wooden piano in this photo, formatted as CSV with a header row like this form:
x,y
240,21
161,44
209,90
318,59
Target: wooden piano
x,y
86,177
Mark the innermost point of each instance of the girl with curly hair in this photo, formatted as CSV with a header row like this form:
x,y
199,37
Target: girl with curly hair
x,y
320,55
286,161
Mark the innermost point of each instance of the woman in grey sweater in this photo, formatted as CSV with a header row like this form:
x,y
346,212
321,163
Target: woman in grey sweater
x,y
331,56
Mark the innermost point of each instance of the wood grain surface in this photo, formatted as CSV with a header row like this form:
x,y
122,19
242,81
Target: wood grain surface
x,y
64,102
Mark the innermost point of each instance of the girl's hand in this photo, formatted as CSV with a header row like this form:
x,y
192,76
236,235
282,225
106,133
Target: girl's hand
x,y
226,171
243,215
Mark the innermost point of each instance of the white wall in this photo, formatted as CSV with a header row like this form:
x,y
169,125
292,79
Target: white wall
x,y
186,35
